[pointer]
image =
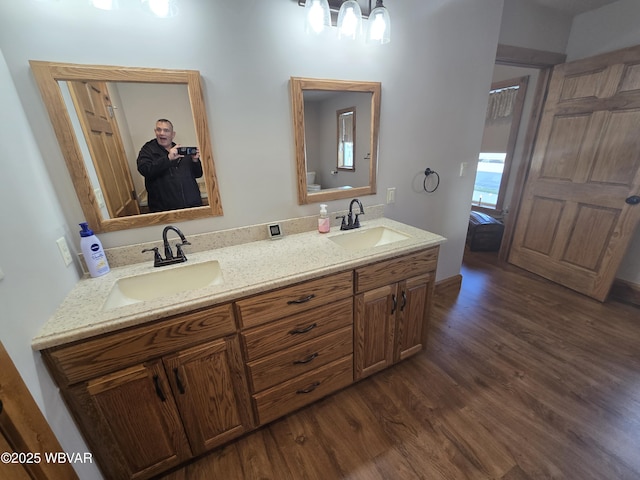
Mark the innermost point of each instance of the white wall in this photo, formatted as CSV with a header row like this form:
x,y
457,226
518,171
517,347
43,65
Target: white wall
x,y
608,28
35,277
529,25
603,30
435,76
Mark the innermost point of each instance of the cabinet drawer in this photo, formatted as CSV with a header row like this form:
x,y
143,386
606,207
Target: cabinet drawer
x,y
292,331
94,357
273,369
298,392
296,298
396,269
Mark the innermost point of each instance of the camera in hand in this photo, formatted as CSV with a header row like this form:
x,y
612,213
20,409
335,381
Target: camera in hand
x,y
187,150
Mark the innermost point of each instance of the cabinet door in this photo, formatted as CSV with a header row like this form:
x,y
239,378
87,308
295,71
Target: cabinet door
x,y
374,323
210,388
412,315
136,408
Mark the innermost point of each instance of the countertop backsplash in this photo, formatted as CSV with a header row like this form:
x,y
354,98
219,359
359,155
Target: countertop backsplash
x,y
131,254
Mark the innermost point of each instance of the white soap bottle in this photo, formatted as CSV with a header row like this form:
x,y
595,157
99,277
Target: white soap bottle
x,y
93,253
324,225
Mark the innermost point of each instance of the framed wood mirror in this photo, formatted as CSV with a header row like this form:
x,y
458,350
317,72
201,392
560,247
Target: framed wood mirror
x,y
103,173
316,104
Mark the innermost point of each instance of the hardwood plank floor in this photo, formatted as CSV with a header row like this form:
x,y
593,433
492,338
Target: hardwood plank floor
x,y
522,379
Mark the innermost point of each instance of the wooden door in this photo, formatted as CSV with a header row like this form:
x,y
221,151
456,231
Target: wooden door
x,y
374,323
412,316
138,409
211,390
23,429
577,214
95,112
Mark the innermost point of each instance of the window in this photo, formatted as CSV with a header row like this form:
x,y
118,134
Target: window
x,y
504,109
488,179
346,138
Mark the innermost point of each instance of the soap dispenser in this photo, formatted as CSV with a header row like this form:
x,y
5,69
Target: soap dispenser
x,y
94,255
324,225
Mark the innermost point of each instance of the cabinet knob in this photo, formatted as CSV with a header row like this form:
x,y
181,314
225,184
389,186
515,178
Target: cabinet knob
x,y
297,331
179,383
159,392
310,358
301,300
309,389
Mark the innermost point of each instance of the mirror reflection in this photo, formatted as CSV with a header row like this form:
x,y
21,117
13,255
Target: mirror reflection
x,y
103,116
331,164
346,138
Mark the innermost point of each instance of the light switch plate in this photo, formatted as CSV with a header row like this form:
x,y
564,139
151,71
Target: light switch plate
x,y
391,195
64,251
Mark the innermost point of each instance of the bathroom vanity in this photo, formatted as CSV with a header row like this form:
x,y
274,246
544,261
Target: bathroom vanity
x,y
152,383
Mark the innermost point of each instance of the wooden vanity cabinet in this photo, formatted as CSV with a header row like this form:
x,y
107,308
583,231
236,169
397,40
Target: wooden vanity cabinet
x,y
392,304
300,346
151,397
131,421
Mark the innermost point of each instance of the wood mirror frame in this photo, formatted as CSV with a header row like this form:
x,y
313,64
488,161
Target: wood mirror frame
x,y
298,86
47,76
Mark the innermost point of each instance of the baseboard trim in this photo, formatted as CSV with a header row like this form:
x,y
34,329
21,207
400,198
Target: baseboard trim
x,y
449,286
624,291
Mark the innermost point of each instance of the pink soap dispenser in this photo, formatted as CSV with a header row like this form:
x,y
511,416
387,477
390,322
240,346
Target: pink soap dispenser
x,y
324,225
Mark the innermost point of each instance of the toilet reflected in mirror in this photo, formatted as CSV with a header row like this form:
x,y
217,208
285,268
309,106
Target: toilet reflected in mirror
x,y
312,186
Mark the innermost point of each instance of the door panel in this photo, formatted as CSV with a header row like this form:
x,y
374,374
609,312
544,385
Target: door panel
x,y
95,112
211,391
574,225
137,405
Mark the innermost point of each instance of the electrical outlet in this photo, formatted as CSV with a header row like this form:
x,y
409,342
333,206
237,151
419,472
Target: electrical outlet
x,y
391,195
463,168
64,251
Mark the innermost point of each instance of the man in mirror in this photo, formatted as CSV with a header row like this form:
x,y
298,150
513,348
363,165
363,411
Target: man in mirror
x,y
169,174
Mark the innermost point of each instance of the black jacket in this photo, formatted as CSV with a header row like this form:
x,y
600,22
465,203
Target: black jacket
x,y
170,184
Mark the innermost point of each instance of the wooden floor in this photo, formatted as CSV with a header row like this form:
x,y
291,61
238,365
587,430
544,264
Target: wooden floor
x,y
522,379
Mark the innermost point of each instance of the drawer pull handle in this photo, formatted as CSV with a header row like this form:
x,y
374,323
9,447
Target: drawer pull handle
x,y
301,300
159,391
297,331
306,360
179,383
404,301
395,304
309,389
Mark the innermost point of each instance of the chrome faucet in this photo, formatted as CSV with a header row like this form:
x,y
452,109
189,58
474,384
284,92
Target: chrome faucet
x,y
169,259
350,223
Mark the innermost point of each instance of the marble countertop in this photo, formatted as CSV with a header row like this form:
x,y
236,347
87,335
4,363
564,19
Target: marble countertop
x,y
247,269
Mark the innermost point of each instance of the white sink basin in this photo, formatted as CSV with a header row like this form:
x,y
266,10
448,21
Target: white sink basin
x,y
163,282
361,239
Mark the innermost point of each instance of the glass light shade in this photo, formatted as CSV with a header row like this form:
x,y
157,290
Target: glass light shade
x,y
105,4
349,20
317,16
161,8
379,25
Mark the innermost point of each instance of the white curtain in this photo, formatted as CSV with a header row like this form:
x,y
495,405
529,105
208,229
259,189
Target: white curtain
x,y
501,103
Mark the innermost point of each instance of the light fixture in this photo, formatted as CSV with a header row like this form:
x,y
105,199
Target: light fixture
x,y
105,4
317,16
379,25
349,20
161,8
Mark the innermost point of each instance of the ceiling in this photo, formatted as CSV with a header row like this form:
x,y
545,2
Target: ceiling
x,y
574,7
